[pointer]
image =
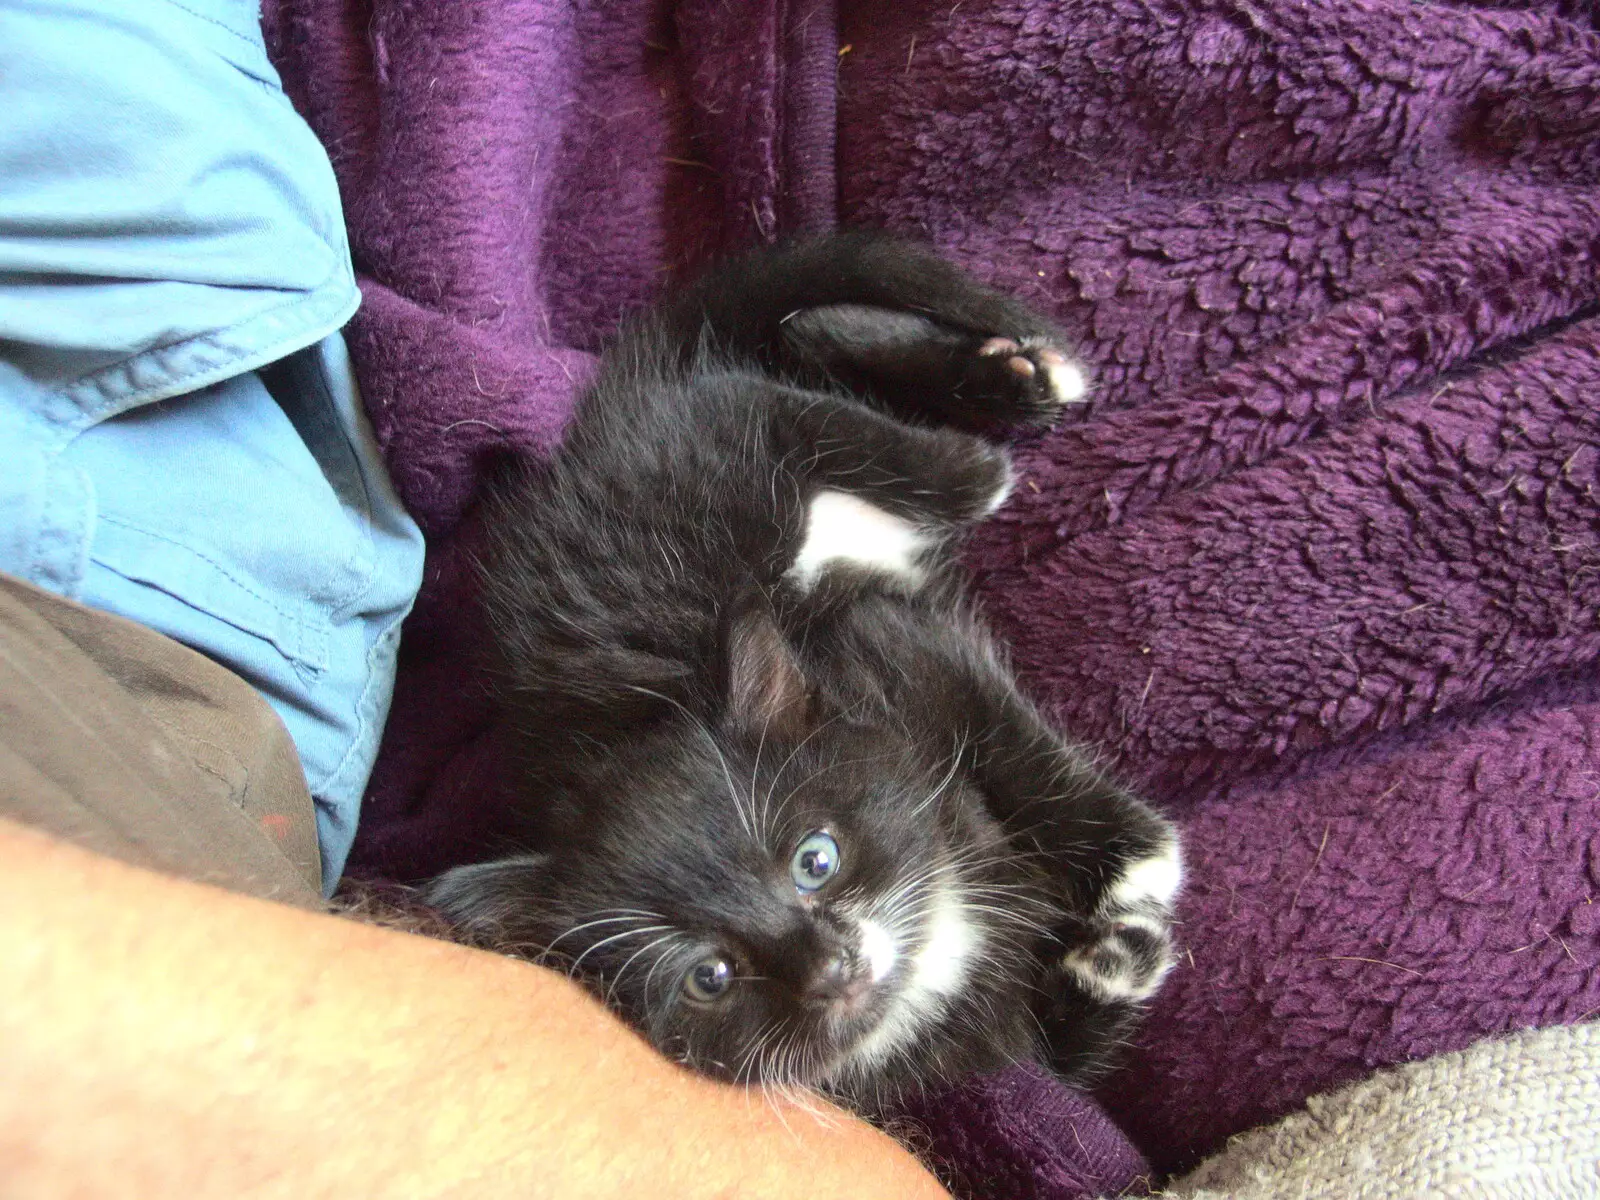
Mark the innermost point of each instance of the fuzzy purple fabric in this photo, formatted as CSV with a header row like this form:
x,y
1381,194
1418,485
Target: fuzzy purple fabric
x,y
1320,566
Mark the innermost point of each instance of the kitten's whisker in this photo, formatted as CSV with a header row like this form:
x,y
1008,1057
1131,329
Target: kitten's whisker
x,y
651,973
601,921
926,875
1005,915
623,969
710,739
955,763
820,771
745,819
761,814
754,1055
799,746
806,1100
918,885
779,1082
616,937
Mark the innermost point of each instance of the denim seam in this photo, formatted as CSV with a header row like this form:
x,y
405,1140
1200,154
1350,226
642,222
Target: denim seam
x,y
257,49
390,633
304,630
249,361
341,604
205,558
222,25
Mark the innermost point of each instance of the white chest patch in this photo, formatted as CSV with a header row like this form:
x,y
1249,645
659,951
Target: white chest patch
x,y
844,528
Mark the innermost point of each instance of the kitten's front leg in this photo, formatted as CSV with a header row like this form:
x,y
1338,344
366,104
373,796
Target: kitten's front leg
x,y
1110,962
1113,863
1118,866
937,477
1123,866
1122,950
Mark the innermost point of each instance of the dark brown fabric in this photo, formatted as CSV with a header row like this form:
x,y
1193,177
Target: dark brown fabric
x,y
121,740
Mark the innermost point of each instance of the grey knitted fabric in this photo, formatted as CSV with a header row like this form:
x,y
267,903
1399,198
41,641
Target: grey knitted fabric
x,y
1509,1118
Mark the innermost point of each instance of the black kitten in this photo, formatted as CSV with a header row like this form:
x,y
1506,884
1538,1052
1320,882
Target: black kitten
x,y
781,801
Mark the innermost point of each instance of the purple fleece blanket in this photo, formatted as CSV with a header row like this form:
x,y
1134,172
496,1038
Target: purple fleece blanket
x,y
1320,566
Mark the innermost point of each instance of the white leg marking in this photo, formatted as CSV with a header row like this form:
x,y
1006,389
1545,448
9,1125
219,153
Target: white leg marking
x,y
844,528
1067,382
1150,880
1150,925
1107,972
1119,967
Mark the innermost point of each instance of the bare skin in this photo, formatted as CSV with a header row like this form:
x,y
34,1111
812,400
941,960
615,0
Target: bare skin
x,y
162,1038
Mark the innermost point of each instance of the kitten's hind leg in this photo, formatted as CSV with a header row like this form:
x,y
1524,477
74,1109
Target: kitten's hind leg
x,y
920,368
891,320
881,495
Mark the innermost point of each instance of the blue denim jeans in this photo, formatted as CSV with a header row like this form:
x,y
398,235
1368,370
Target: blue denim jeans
x,y
181,436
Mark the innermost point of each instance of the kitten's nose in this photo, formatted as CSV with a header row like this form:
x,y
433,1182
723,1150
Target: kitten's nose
x,y
835,980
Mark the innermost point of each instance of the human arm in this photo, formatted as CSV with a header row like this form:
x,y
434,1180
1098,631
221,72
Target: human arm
x,y
159,1037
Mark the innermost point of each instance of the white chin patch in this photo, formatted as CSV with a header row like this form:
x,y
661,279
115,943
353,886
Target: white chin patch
x,y
878,945
939,968
842,528
936,969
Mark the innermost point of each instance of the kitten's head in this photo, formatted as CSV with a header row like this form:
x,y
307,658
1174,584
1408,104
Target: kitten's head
x,y
782,895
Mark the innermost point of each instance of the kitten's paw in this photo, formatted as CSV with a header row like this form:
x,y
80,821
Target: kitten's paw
x,y
1127,962
1124,951
966,478
1003,489
1028,379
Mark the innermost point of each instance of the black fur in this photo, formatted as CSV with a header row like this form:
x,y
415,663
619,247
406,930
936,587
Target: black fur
x,y
690,708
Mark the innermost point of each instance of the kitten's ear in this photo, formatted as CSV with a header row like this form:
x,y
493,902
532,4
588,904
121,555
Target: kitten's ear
x,y
491,899
767,690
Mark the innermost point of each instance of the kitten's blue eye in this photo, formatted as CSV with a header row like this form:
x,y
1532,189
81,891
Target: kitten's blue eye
x,y
708,979
815,862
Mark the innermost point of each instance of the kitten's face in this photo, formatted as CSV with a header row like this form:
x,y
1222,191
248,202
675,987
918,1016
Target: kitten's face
x,y
793,913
